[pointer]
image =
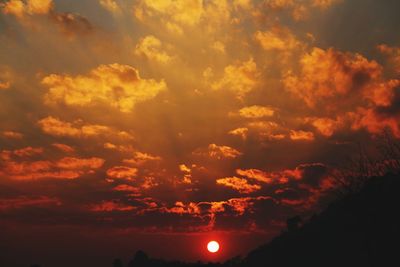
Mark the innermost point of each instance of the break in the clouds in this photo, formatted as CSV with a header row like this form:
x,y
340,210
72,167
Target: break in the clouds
x,y
187,116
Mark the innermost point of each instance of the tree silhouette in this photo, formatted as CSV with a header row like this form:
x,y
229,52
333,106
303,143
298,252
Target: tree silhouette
x,y
139,260
118,263
352,177
293,223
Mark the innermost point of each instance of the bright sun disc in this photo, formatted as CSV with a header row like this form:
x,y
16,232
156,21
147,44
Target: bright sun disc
x,y
213,246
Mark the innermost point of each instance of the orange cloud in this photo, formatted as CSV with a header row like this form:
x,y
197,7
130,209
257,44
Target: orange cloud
x,y
25,11
218,152
25,201
149,182
301,135
299,10
119,86
133,190
12,135
255,174
381,93
330,74
239,184
6,77
184,13
62,174
140,158
256,112
266,130
242,132
110,146
373,122
217,206
37,170
295,174
80,163
21,8
276,136
63,147
324,3
28,151
5,155
152,48
181,208
218,46
14,7
347,86
326,126
241,78
239,205
280,177
77,129
27,167
57,127
65,168
180,16
393,55
39,6
108,206
184,168
293,202
187,177
278,39
124,149
111,6
122,172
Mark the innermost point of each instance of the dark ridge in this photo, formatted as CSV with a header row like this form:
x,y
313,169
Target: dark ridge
x,y
361,229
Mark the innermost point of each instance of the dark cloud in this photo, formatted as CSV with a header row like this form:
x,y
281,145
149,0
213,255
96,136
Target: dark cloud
x,y
72,24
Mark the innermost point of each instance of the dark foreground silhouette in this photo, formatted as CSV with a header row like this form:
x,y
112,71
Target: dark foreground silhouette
x,y
360,229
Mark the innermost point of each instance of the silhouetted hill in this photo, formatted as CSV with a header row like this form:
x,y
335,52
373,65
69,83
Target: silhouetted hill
x,y
362,229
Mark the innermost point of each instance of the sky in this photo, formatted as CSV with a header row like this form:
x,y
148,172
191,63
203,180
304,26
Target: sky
x,y
163,124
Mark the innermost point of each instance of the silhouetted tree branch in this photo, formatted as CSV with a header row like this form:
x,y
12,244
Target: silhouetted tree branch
x,y
359,169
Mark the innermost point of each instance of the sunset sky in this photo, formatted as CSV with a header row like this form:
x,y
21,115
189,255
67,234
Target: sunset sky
x,y
163,124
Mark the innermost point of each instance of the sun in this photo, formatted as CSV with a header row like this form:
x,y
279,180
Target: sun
x,y
213,246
